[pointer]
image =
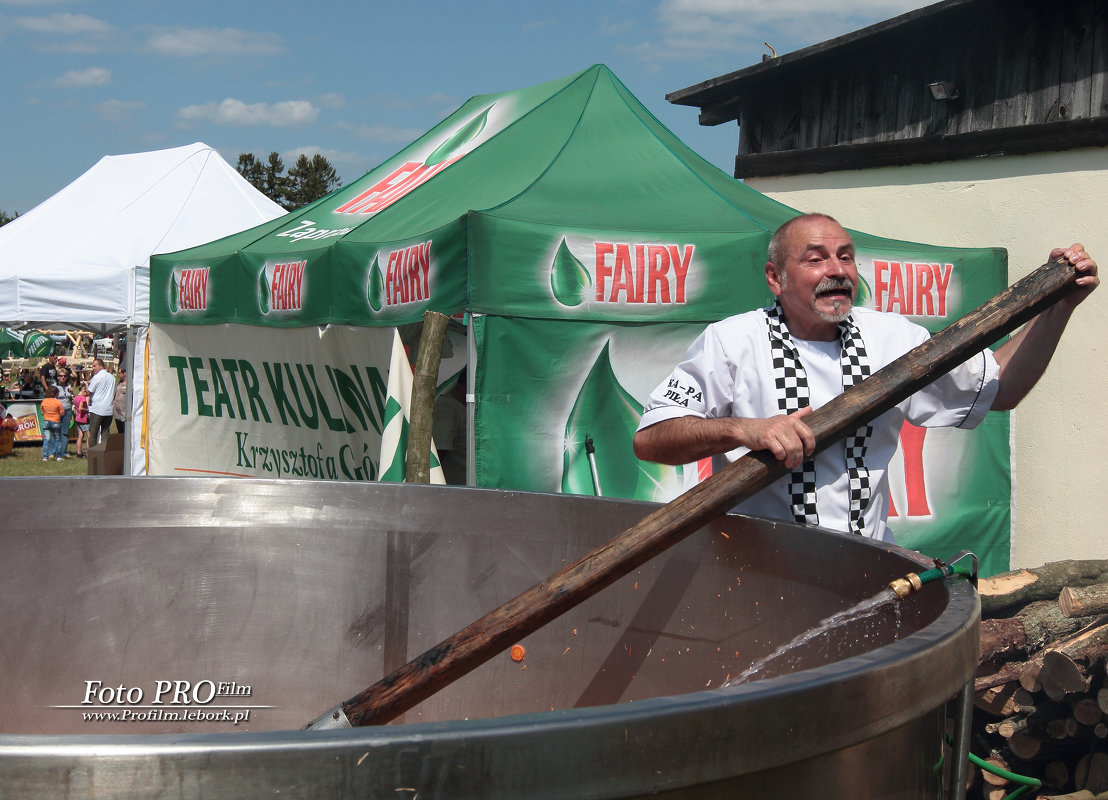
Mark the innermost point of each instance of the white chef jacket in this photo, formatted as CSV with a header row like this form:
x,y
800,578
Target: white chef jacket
x,y
727,373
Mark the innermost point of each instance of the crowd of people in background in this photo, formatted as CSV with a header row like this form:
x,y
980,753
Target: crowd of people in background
x,y
29,383
70,396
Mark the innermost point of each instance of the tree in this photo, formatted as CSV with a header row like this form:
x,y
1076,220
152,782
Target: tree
x,y
267,178
307,181
250,168
5,217
311,179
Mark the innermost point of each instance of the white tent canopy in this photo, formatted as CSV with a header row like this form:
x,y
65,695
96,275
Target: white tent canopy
x,y
81,259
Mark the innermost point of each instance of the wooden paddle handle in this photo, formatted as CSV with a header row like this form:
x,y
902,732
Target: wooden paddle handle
x,y
529,611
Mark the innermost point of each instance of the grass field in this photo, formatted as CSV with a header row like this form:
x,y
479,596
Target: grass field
x,y
26,459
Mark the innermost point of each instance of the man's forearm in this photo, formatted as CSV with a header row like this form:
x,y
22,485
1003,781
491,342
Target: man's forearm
x,y
686,439
1025,356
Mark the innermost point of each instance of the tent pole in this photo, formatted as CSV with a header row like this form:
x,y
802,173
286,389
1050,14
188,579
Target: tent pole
x,y
418,460
129,365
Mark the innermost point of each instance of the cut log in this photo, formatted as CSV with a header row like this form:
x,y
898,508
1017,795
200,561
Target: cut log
x,y
1092,772
1061,728
1002,639
1029,674
1061,675
1024,699
1086,711
1027,631
1024,746
1079,601
1022,586
1008,727
1056,774
1075,658
1030,716
1006,674
999,701
997,761
1069,664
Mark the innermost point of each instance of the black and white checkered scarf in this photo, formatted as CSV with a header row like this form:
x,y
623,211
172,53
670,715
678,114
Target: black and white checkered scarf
x,y
792,395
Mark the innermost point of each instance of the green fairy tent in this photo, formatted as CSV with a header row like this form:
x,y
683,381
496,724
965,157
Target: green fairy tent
x,y
586,246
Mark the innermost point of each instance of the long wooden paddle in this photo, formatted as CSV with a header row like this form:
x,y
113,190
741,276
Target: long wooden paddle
x,y
472,646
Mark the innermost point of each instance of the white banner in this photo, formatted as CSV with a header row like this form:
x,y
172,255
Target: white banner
x,y
296,403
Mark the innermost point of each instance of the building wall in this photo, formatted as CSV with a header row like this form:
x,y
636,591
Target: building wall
x,y
1041,63
1027,204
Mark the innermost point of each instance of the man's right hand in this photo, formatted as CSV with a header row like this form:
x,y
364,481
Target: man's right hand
x,y
786,436
683,440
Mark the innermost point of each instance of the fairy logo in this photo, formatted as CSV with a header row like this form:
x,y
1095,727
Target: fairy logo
x,y
915,289
623,273
405,279
188,289
412,174
281,286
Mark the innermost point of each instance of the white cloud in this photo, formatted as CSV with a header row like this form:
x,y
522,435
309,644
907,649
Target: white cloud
x,y
81,78
197,42
63,24
235,112
117,110
64,33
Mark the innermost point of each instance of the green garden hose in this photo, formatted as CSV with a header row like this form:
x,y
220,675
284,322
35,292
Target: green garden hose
x,y
1027,784
913,582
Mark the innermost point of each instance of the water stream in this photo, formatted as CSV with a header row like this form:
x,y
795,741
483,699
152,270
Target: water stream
x,y
847,623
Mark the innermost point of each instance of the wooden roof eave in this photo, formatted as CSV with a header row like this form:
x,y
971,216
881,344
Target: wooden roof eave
x,y
720,99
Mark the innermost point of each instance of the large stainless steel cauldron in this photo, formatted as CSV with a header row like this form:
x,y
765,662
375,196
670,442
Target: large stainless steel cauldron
x,y
187,605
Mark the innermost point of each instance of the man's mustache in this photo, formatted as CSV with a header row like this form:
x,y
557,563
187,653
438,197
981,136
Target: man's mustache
x,y
835,284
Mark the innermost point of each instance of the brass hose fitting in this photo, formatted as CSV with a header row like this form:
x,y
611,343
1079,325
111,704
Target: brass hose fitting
x,y
902,587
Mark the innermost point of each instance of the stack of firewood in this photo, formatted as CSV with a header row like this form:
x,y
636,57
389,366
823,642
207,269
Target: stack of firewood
x,y
1041,699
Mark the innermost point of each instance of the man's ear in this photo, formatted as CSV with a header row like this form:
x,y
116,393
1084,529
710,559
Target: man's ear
x,y
772,278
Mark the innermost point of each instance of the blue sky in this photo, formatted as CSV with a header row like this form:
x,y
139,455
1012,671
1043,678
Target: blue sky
x,y
354,81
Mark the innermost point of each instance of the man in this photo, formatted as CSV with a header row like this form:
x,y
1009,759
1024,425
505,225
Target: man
x,y
119,403
101,389
48,372
27,385
749,382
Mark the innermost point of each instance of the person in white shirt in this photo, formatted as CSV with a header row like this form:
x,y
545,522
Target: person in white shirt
x,y
101,389
748,382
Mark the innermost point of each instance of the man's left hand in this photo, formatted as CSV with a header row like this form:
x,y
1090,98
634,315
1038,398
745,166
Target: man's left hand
x,y
1087,277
